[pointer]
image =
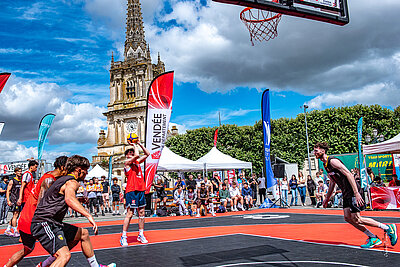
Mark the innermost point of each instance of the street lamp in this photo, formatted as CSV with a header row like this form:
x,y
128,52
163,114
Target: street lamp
x,y
373,140
308,148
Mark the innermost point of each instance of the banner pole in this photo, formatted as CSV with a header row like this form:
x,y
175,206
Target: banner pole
x,y
368,187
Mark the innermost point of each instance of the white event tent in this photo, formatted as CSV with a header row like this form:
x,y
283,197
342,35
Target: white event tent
x,y
391,146
216,160
97,171
169,161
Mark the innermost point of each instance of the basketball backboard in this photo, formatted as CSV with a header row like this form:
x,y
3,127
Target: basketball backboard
x,y
330,11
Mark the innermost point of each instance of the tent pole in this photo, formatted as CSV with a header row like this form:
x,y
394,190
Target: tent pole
x,y
368,187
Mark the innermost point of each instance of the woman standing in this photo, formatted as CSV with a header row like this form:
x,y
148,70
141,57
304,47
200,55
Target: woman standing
x,y
302,188
293,188
311,186
284,189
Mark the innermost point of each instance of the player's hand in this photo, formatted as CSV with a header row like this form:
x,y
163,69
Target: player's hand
x,y
359,200
19,202
95,229
325,203
9,203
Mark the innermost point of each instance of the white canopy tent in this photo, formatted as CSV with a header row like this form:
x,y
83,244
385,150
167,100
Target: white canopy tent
x,y
216,160
97,171
169,161
391,146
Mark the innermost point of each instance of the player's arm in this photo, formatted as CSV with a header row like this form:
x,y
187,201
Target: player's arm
x,y
329,194
340,166
21,190
10,184
44,186
132,160
145,151
69,190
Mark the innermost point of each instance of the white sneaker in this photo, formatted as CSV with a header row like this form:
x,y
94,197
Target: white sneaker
x,y
198,215
123,241
213,214
142,239
9,233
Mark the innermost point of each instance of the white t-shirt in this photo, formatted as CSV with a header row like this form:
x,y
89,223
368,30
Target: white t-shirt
x,y
262,182
284,185
302,180
234,191
27,177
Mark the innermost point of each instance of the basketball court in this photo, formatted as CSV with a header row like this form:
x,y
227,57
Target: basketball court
x,y
262,237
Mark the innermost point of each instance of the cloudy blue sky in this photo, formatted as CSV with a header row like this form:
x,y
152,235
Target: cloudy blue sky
x,y
59,53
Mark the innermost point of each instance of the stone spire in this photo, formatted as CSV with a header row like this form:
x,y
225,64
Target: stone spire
x,y
135,43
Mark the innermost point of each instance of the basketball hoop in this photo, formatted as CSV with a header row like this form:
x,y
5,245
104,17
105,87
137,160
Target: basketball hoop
x,y
262,24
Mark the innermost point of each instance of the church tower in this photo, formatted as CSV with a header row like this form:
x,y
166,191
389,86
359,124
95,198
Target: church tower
x,y
129,82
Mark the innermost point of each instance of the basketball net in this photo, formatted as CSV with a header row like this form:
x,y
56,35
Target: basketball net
x,y
262,24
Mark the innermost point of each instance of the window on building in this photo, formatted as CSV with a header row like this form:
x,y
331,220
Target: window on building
x,y
130,89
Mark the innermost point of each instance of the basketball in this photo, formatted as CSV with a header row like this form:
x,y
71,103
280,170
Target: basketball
x,y
132,137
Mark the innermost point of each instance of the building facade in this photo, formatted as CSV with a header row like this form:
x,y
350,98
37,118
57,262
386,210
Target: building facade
x,y
129,83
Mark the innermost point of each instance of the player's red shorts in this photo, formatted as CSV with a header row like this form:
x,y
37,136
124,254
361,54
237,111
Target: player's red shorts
x,y
24,223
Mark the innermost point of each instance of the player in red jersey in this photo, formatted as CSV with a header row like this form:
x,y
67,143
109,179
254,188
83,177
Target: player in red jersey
x,y
135,188
28,182
24,223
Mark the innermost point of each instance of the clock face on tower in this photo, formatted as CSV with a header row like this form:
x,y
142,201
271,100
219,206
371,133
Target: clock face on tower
x,y
131,126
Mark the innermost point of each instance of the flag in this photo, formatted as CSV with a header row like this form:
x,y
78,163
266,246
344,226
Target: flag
x,y
361,166
1,126
3,79
159,107
44,127
266,119
215,137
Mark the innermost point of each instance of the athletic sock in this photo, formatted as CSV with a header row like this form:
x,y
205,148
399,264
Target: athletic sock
x,y
15,229
92,261
198,211
383,226
141,232
369,234
8,227
123,233
48,261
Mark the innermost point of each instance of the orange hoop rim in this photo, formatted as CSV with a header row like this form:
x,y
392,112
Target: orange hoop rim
x,y
257,21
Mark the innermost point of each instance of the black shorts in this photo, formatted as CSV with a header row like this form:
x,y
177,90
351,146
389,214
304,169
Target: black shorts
x,y
27,240
351,203
53,237
115,198
15,208
161,195
100,200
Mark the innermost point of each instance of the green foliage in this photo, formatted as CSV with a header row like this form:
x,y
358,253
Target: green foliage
x,y
337,126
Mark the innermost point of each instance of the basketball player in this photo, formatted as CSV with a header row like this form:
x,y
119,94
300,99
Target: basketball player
x,y
135,188
57,237
12,195
352,200
27,183
203,200
24,223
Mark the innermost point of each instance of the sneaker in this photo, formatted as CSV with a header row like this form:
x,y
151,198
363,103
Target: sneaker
x,y
154,215
8,233
142,239
123,241
198,215
371,242
213,214
392,233
110,265
39,264
16,234
102,213
114,214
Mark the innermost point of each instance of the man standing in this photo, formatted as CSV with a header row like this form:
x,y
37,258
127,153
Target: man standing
x,y
135,188
352,200
99,196
116,190
28,182
3,200
12,194
92,196
261,189
24,223
106,194
56,237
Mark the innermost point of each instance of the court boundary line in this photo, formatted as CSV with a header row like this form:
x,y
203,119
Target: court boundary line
x,y
280,262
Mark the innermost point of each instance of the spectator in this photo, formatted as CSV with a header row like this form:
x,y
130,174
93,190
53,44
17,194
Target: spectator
x,y
285,189
247,194
235,196
106,194
253,185
262,191
293,188
180,183
115,191
323,176
207,184
378,182
91,189
199,180
12,196
99,196
395,181
203,195
226,182
321,192
216,183
337,196
80,195
179,199
371,174
302,183
191,198
191,182
3,200
161,195
240,180
224,195
311,186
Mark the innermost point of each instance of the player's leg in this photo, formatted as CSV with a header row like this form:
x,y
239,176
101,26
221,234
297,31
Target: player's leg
x,y
141,213
29,244
127,221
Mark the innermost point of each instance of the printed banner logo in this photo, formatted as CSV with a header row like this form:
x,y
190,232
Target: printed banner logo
x,y
156,155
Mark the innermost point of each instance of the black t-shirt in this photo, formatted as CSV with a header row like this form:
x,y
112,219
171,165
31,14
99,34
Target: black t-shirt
x,y
191,183
115,190
14,192
215,187
105,185
340,179
160,190
253,184
52,208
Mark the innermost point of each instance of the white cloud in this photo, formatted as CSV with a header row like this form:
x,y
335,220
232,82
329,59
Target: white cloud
x,y
37,10
24,103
